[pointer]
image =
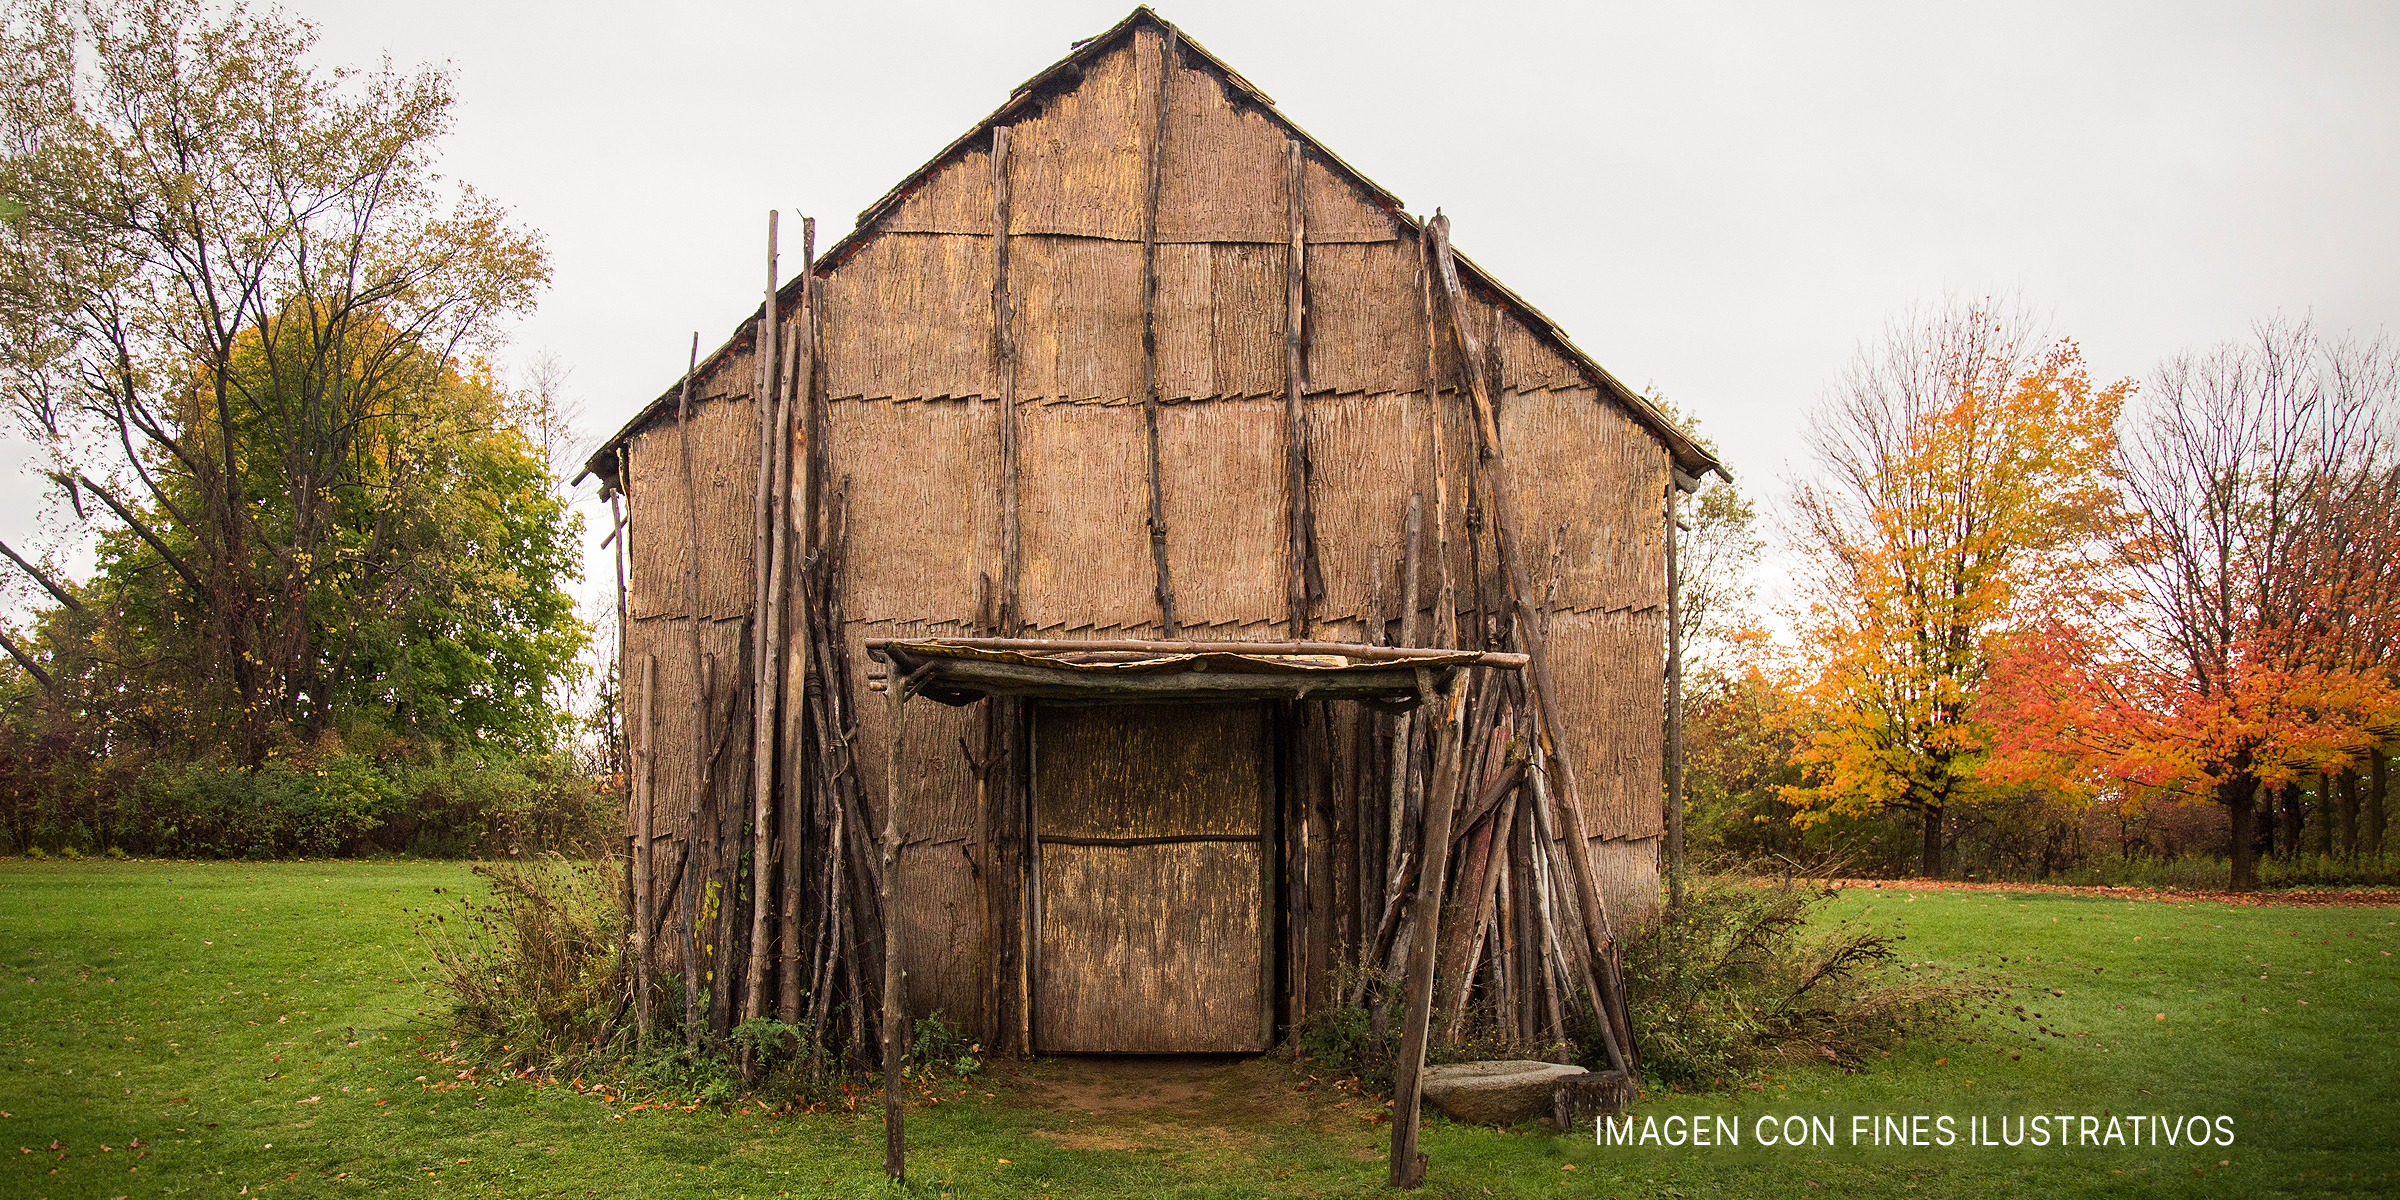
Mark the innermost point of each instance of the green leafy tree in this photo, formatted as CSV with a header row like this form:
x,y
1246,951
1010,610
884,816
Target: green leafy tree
x,y
242,313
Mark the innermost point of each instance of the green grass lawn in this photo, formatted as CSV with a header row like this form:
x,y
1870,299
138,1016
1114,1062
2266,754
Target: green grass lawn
x,y
201,1029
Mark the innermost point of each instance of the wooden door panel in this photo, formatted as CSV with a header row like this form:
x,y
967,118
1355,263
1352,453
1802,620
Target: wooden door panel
x,y
1151,893
1150,949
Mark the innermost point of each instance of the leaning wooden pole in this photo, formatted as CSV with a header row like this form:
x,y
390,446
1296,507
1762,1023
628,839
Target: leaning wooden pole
x,y
895,1143
697,768
1492,473
1407,1166
765,641
793,532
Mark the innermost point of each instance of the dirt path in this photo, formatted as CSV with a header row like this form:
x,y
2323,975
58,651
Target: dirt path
x,y
1184,1102
2278,897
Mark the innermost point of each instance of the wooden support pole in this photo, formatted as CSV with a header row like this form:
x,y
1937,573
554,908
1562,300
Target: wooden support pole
x,y
645,766
1397,785
1674,764
793,533
1005,359
765,637
1152,174
895,1142
1493,476
697,768
1407,1166
1306,582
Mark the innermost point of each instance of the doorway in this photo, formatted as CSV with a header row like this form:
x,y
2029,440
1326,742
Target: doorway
x,y
1153,840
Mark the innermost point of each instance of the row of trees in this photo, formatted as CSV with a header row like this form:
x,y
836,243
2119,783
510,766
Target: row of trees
x,y
245,322
2020,588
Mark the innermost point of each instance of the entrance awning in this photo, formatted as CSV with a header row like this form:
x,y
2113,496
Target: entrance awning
x,y
960,671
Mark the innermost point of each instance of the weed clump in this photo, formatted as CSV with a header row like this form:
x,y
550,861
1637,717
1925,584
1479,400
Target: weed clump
x,y
1739,979
533,972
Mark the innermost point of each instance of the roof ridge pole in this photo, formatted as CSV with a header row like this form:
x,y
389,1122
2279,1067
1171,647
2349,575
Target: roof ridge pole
x,y
697,769
1004,352
1153,171
1306,583
765,634
1553,728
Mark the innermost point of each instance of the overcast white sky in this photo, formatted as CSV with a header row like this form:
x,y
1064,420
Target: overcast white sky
x,y
1721,201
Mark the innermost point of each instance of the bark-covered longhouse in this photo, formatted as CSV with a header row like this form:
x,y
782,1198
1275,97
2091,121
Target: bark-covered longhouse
x,y
1059,384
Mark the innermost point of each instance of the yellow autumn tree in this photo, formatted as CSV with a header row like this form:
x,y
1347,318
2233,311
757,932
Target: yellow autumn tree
x,y
1964,483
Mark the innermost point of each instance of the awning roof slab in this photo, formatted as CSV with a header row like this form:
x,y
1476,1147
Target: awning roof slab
x,y
964,670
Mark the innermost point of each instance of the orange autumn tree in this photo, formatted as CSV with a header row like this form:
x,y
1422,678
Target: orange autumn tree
x,y
1965,472
2250,639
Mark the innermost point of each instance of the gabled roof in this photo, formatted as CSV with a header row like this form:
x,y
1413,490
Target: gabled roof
x,y
1689,455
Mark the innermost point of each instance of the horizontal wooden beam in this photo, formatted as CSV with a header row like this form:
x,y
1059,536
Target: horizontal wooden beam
x,y
1364,653
965,680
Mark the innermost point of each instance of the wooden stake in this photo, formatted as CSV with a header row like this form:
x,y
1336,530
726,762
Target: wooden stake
x,y
766,636
1407,1166
698,766
895,1143
1153,170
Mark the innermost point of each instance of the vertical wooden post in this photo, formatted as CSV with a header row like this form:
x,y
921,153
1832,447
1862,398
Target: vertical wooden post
x,y
696,770
1445,612
1397,785
1407,1166
1152,173
895,1142
1306,584
1008,724
765,635
1005,353
793,534
645,763
1675,861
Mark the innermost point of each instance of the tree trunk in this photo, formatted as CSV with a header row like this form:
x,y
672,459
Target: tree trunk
x,y
1933,841
2348,793
2265,841
2324,814
2238,796
2292,813
2378,784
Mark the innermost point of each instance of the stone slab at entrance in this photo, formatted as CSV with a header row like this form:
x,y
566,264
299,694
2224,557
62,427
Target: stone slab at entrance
x,y
1495,1093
